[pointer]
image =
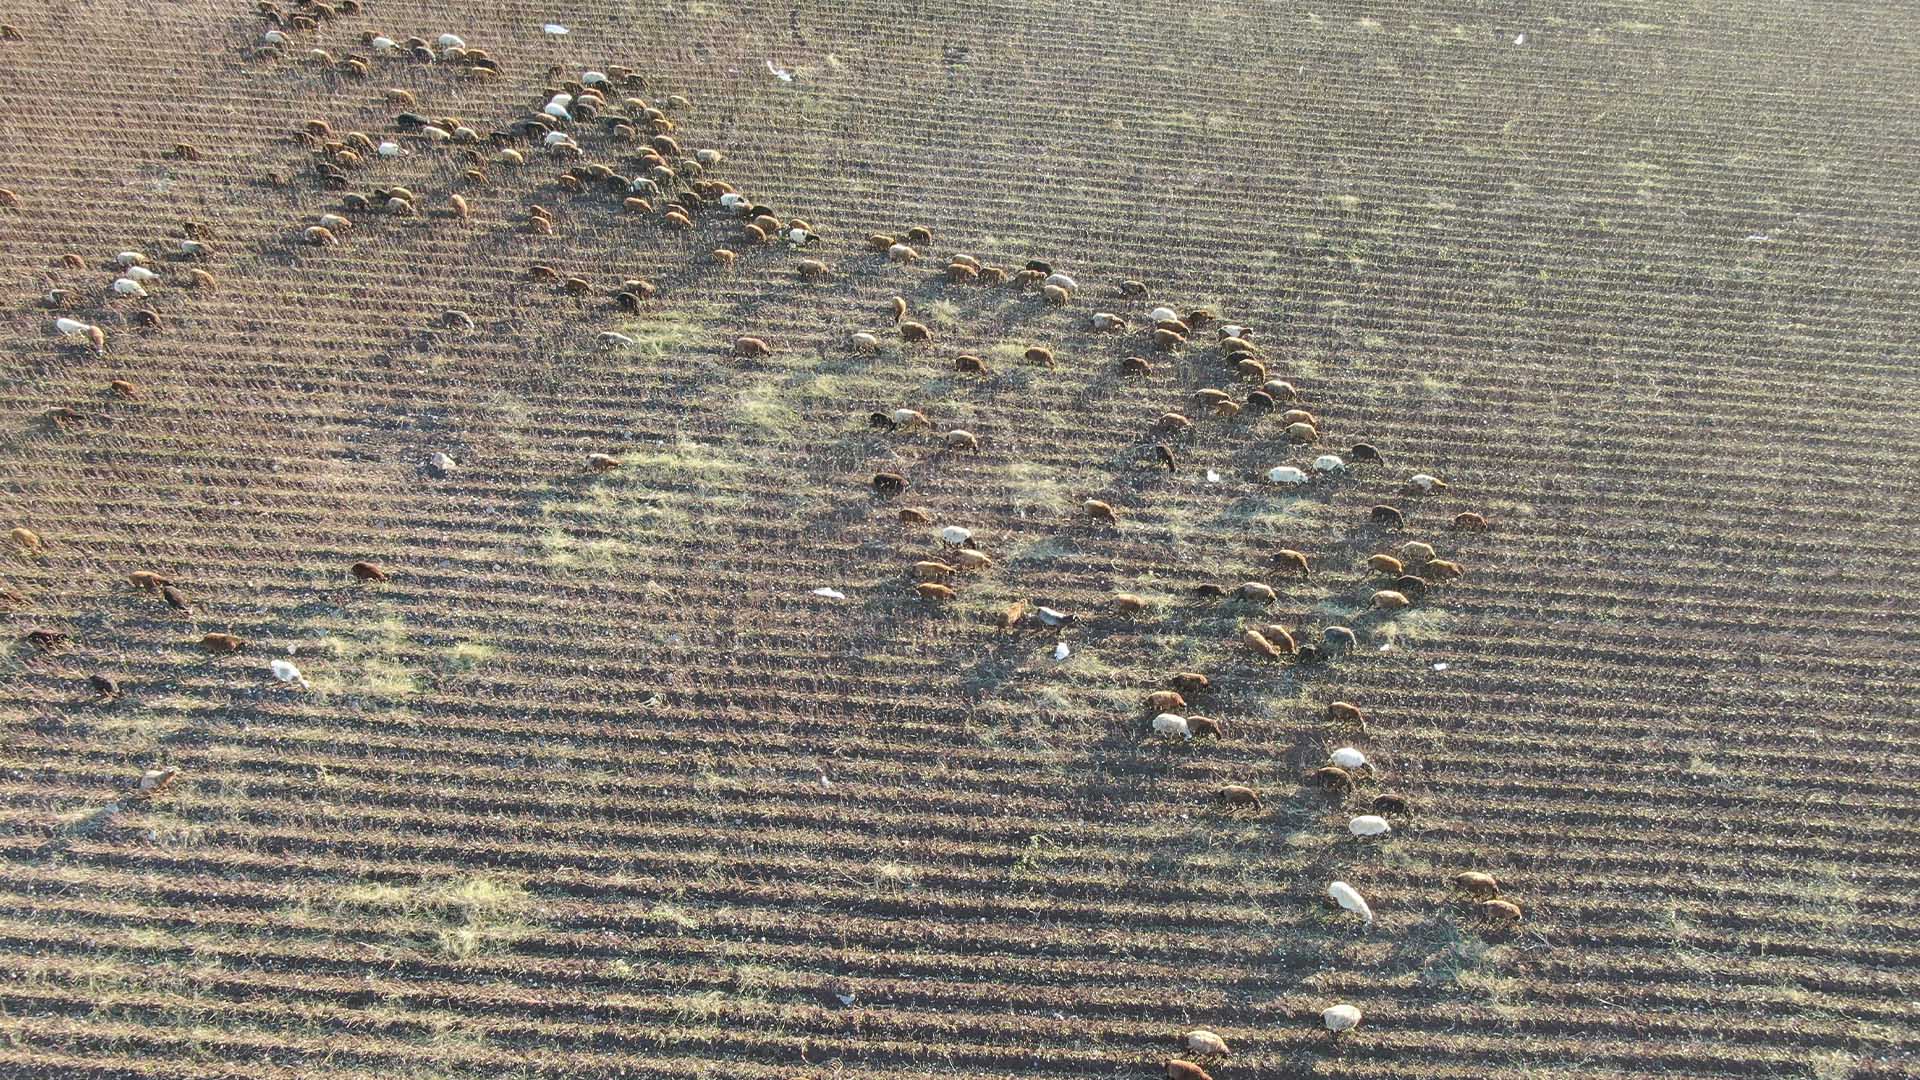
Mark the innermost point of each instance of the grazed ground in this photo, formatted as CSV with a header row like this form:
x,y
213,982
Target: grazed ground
x,y
595,787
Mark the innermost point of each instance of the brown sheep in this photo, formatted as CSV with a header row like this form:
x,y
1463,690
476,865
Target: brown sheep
x,y
1442,570
1131,287
546,275
1173,421
1101,511
1055,295
1025,278
1237,795
898,305
1165,701
932,571
574,286
1299,416
1203,725
1226,410
913,331
887,483
913,515
1012,615
811,269
1365,452
1129,603
1391,803
723,258
602,462
1039,354
1415,588
1386,564
123,389
1280,638
1302,433
1190,682
200,279
1252,371
1502,911
930,590
920,235
366,571
992,275
1186,1070
1287,560
751,346
1389,516
634,204
1477,883
147,579
1389,600
1165,339
1135,365
318,235
222,644
1207,590
176,599
1332,778
968,364
1164,454
1259,643
881,244
969,559
960,273
1470,522
1345,712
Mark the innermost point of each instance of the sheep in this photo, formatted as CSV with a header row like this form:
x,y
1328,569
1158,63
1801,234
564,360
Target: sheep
x,y
1256,592
921,235
933,571
1235,795
723,258
176,599
1386,564
286,672
863,342
888,484
1186,1070
26,539
960,273
1129,603
577,286
930,590
129,287
1056,296
751,346
1389,516
1415,588
222,644
1203,1041
1442,570
1166,340
958,440
1350,759
1302,433
1478,884
1260,643
1339,1018
318,236
1164,454
1060,281
1012,615
1107,321
1172,726
1425,483
602,462
1341,639
1207,590
1366,452
1417,551
1207,395
1160,701
971,560
1131,287
1172,421
1047,616
1332,778
455,319
913,515
968,364
811,269
1279,637
1329,463
1252,371
121,388
46,640
1286,474
913,331
1100,511
366,571
909,418
1135,365
1505,911
882,244
1388,600
1038,354
1388,802
1280,390
1469,522
1287,560
1369,825
956,536
106,687
1162,314
1349,898
1298,416
902,253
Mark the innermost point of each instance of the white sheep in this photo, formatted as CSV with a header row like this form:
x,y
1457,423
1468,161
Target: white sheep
x,y
128,287
1106,320
450,41
910,418
287,673
390,149
1349,897
1202,1041
1339,1018
1329,463
555,138
141,274
130,258
594,78
71,327
863,342
557,111
1162,314
193,249
734,201
1349,759
1427,483
1235,330
1369,825
1062,281
1172,725
955,536
273,37
1286,474
335,223
435,133
384,43
613,339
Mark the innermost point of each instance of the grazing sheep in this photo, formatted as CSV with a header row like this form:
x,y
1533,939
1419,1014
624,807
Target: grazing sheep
x,y
1477,883
1383,514
1260,643
1166,340
1287,560
1329,463
958,440
1047,616
121,388
1256,592
863,342
1279,637
1135,365
1298,416
1389,600
1302,433
1349,898
913,331
1251,370
1172,726
1417,551
1164,454
1100,511
751,346
908,418
933,571
1130,287
1129,603
930,590
614,339
1504,911
956,536
970,559
1339,1018
1107,321
1442,570
1425,483
1366,452
1173,421
1349,759
888,484
921,235
882,244
1369,825
1341,639
1332,778
129,287
1165,701
1203,1041
1189,682
811,270
176,599
1388,802
960,273
1345,712
576,286
1207,395
913,515
1234,795
1207,590
1039,354
1386,564
1058,280
1186,1070
1470,522
602,462
200,279
26,539
1286,474
147,579
1012,615
968,364
221,644
1280,390
723,258
1415,588
366,571
1057,296
1163,313
902,253
318,236
105,686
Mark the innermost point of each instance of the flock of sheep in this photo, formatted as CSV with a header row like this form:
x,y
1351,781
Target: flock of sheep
x,y
648,173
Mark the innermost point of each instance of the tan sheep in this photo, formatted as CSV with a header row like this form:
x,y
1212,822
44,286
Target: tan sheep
x,y
811,269
1257,592
1302,433
968,364
1501,911
930,590
222,644
933,571
723,258
1389,600
1470,522
898,305
1055,295
882,244
960,440
1129,603
1287,560
1234,795
1100,511
969,559
751,346
1345,712
1160,701
1261,644
1442,570
26,539
1386,564
1478,883
913,515
1039,354
913,331
602,462
902,253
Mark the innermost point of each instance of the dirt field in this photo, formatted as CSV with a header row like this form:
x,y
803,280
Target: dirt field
x,y
596,786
